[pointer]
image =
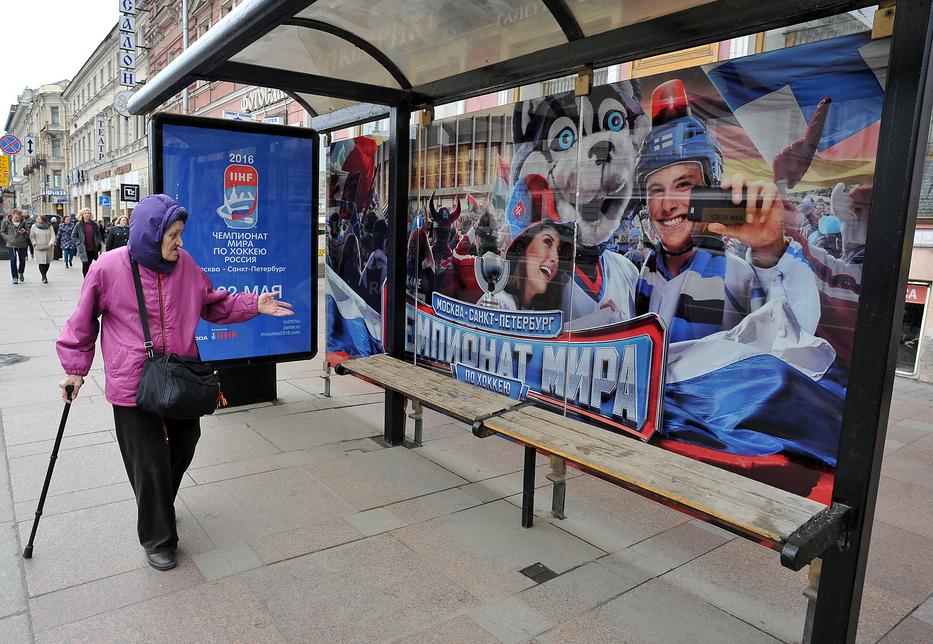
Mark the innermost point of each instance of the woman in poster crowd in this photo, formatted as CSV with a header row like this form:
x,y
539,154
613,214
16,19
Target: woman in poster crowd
x,y
42,236
87,239
65,240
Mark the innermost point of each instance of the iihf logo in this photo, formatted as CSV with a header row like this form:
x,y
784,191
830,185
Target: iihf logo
x,y
241,194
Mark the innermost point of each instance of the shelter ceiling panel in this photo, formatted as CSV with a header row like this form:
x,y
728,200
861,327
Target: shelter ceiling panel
x,y
314,52
433,39
325,104
597,16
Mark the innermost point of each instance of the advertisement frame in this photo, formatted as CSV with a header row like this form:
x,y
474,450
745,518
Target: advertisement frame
x,y
156,179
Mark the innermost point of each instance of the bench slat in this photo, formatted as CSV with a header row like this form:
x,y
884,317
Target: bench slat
x,y
466,402
763,512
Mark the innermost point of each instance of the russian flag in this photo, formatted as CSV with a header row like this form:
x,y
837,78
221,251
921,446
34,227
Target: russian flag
x,y
774,95
353,327
764,387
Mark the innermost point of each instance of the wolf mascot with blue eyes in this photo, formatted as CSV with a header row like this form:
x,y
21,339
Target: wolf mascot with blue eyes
x,y
586,148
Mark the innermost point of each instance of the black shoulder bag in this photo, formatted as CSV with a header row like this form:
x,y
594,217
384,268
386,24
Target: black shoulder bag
x,y
173,386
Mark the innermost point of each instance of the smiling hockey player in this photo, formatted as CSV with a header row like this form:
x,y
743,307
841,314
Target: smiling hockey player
x,y
696,287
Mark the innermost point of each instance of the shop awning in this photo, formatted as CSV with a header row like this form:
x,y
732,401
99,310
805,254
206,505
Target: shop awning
x,y
332,55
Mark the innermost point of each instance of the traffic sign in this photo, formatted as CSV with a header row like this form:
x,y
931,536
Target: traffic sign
x,y
103,201
29,145
129,192
4,171
10,144
238,116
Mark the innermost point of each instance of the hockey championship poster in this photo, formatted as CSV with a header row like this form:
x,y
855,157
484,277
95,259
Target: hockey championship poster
x,y
675,257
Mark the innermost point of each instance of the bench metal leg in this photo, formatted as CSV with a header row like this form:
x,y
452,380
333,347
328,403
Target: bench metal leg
x,y
326,376
417,415
528,489
810,592
558,476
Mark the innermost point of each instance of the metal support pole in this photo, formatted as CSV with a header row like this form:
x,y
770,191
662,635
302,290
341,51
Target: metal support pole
x,y
394,315
528,488
902,145
184,46
558,476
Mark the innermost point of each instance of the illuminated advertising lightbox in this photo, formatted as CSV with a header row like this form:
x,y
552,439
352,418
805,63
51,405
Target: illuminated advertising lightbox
x,y
251,194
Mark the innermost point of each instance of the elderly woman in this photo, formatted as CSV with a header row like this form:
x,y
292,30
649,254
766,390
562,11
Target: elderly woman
x,y
177,294
42,236
87,238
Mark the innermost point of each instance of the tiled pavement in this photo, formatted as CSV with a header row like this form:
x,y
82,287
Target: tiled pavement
x,y
297,526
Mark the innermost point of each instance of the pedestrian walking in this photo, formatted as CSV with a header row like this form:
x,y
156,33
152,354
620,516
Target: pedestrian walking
x,y
65,241
15,233
30,220
56,223
42,236
88,240
119,233
176,294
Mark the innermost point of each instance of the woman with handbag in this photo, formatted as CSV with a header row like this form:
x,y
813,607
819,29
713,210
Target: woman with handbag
x,y
42,236
149,297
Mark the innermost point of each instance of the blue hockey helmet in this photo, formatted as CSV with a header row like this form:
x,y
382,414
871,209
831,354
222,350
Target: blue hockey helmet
x,y
830,225
677,137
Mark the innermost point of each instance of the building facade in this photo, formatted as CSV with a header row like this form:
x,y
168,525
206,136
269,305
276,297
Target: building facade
x,y
105,148
39,179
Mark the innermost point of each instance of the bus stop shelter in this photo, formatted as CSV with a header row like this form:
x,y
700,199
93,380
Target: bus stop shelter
x,y
348,62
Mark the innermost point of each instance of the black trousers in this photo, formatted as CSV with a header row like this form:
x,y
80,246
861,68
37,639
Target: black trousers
x,y
43,269
91,256
156,456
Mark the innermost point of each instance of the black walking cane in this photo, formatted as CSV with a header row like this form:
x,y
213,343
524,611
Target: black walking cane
x,y
27,551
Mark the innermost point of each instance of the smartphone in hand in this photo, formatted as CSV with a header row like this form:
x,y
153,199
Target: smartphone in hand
x,y
714,206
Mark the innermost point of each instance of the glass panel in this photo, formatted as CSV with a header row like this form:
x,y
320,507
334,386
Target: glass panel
x,y
597,16
314,52
909,343
325,104
429,40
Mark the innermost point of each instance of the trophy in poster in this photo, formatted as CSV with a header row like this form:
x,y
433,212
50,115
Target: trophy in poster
x,y
492,274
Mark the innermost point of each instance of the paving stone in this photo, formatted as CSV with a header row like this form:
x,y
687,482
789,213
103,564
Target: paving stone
x,y
12,595
579,590
40,391
369,480
249,507
15,629
510,620
77,469
301,541
747,580
606,515
881,611
71,501
909,631
475,459
315,428
287,392
665,551
225,561
110,593
431,506
236,469
368,590
507,485
221,611
900,562
370,522
905,505
486,547
458,629
891,445
6,499
230,443
924,611
44,448
656,612
31,423
911,466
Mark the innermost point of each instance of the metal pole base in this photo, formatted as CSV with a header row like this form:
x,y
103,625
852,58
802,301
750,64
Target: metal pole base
x,y
326,376
528,489
558,476
417,415
810,592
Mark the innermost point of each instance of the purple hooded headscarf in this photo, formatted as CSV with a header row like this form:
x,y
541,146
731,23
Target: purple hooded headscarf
x,y
151,217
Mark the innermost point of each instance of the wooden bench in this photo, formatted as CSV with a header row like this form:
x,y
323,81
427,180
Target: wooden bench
x,y
799,528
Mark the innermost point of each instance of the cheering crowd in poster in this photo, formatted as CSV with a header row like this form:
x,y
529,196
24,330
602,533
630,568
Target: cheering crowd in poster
x,y
725,203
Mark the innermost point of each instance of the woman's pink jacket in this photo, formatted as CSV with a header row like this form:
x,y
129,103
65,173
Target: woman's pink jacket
x,y
175,302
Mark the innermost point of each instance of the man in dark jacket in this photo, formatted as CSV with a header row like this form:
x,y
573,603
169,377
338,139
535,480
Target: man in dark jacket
x,y
15,233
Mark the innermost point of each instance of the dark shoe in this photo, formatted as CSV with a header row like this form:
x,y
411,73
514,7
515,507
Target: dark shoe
x,y
161,559
22,278
45,280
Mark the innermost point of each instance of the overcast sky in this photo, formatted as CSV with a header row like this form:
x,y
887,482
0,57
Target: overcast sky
x,y
45,42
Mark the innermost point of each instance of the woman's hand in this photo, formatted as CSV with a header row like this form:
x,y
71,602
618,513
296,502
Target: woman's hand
x,y
268,305
74,381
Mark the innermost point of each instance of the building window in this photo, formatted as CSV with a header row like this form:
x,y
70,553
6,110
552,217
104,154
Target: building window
x,y
203,28
56,178
226,8
56,118
56,147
